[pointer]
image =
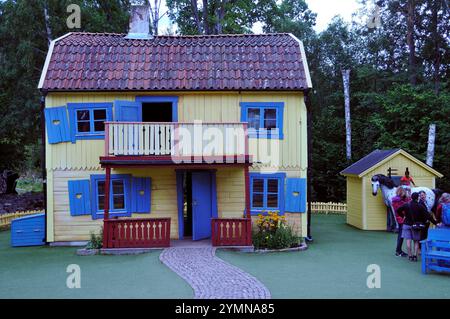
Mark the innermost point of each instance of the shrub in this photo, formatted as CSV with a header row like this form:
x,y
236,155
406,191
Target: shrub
x,y
96,241
274,233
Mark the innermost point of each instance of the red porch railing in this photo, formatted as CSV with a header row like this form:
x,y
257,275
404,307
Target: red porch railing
x,y
231,232
136,233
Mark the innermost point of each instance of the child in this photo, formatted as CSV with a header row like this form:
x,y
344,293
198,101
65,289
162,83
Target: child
x,y
407,180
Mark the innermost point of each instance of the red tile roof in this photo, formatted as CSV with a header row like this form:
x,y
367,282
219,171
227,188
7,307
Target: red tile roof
x,y
107,62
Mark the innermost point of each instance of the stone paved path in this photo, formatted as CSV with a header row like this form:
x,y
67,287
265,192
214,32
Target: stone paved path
x,y
210,276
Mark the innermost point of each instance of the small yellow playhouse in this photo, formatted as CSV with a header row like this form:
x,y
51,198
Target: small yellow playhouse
x,y
366,211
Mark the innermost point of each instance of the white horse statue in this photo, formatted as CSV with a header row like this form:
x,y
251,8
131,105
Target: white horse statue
x,y
388,191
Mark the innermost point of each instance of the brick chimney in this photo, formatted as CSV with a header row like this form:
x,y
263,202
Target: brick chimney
x,y
139,20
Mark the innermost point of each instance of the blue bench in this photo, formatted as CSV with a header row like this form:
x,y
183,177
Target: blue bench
x,y
28,231
436,251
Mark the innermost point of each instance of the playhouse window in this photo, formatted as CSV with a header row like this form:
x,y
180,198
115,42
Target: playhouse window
x,y
91,121
88,120
267,192
265,120
119,194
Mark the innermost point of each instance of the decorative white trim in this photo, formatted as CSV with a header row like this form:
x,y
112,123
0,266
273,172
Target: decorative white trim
x,y
48,58
304,61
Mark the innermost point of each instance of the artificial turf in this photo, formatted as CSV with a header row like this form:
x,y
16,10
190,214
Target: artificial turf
x,y
40,272
335,266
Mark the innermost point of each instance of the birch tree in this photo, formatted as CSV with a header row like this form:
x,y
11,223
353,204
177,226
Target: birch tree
x,y
348,125
155,16
431,144
48,28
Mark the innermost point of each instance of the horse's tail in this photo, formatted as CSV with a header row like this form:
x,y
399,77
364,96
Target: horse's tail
x,y
438,193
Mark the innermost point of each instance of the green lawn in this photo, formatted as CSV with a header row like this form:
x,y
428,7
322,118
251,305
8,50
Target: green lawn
x,y
335,266
40,272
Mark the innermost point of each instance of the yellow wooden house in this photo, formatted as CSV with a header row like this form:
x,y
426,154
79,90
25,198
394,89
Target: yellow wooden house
x,y
130,120
366,211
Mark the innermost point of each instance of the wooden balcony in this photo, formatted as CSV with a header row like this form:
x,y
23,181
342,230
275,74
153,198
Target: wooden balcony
x,y
176,141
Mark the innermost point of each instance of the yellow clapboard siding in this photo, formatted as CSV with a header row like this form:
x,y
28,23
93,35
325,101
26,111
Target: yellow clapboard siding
x,y
373,215
230,181
354,202
79,160
401,162
230,199
205,106
75,228
375,209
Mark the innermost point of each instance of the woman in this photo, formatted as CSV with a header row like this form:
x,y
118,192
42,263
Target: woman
x,y
445,199
414,224
401,199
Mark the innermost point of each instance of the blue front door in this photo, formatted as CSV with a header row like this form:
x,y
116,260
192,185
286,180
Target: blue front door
x,y
201,205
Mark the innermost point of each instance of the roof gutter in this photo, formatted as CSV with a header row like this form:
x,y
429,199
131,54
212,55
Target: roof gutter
x,y
308,237
306,92
43,159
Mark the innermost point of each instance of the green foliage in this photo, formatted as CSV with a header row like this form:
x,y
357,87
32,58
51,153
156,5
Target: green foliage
x,y
238,16
274,233
23,50
403,121
30,182
385,112
281,238
96,241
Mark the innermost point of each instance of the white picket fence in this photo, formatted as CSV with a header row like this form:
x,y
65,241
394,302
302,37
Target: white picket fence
x,y
6,219
329,208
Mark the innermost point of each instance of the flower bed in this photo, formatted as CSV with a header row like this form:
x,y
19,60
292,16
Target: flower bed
x,y
274,233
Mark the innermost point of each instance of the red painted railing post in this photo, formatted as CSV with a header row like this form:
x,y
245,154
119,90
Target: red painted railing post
x,y
249,232
213,232
106,242
105,234
247,207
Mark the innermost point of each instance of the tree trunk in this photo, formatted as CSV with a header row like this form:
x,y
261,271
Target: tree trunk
x,y
436,38
48,28
431,143
410,40
220,15
194,8
154,14
348,127
205,17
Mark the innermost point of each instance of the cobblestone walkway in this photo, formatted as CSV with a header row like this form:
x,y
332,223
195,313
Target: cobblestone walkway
x,y
210,276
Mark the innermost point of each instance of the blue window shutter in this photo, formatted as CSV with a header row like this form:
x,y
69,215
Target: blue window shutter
x,y
141,195
57,125
296,195
79,198
128,111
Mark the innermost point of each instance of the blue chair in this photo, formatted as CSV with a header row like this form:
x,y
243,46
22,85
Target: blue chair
x,y
436,251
